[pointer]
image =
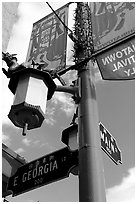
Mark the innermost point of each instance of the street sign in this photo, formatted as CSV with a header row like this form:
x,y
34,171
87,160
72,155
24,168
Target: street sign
x,y
109,145
45,170
118,62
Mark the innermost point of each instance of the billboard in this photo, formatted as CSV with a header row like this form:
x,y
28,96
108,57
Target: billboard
x,y
111,22
48,41
118,62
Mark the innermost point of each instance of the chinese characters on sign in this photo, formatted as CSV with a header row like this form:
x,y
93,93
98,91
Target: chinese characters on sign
x,y
118,63
48,41
111,22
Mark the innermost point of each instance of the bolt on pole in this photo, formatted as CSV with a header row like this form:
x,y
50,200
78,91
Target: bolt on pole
x,y
91,171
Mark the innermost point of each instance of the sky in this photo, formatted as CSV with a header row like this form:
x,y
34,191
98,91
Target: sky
x,y
116,109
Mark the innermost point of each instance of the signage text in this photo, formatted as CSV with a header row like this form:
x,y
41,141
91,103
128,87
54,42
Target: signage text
x,y
109,145
44,170
118,63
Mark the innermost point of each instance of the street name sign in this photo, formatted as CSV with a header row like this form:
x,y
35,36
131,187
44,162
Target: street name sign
x,y
109,145
45,170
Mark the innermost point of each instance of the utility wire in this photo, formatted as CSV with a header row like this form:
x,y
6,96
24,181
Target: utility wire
x,y
71,34
59,17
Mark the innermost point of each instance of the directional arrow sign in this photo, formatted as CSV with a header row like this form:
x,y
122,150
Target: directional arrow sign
x,y
45,170
109,145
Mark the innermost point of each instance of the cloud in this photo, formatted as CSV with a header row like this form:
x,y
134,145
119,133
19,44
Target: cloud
x,y
36,142
70,76
47,146
19,150
26,141
28,14
65,102
6,140
7,98
97,73
125,191
49,116
8,133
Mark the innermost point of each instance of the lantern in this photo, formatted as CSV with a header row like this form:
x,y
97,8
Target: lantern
x,y
32,88
69,137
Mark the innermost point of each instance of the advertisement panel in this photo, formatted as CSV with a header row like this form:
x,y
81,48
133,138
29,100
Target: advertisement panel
x,y
118,63
111,22
48,41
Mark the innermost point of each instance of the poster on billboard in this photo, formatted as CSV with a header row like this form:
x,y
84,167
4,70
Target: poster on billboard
x,y
118,62
111,22
48,41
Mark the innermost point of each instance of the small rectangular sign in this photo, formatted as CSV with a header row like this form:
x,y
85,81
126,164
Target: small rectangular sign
x,y
49,40
109,145
111,22
45,170
118,63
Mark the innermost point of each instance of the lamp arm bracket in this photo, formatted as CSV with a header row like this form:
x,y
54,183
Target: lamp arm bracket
x,y
67,89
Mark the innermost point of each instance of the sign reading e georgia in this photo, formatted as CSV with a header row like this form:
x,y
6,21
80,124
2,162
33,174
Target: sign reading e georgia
x,y
111,22
47,169
118,63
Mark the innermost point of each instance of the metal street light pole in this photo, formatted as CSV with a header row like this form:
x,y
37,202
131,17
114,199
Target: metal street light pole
x,y
91,175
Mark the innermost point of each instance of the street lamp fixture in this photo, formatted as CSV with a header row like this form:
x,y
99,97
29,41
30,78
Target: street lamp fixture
x,y
32,88
69,137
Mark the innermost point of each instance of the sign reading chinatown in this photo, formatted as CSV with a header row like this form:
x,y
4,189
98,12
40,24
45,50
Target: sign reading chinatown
x,y
42,171
109,145
118,63
48,41
111,22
